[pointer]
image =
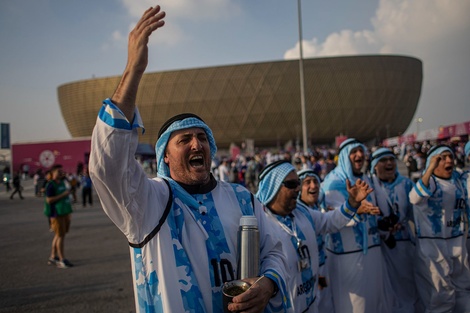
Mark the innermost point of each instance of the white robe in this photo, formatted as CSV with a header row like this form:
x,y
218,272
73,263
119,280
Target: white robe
x,y
355,263
442,271
398,260
172,267
303,283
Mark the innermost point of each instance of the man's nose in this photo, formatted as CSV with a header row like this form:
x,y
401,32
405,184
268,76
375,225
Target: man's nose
x,y
195,143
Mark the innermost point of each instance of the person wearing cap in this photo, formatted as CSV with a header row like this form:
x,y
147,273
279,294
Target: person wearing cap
x,y
182,225
355,265
299,226
441,216
391,191
310,198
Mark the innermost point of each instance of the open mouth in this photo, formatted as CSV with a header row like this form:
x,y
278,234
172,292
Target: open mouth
x,y
449,168
313,192
196,161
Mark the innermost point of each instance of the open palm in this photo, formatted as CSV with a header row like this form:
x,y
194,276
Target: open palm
x,y
359,191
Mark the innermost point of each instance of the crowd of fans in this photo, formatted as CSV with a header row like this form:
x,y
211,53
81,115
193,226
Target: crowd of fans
x,y
244,169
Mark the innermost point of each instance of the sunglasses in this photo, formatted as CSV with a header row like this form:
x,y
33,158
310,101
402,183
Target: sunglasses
x,y
291,184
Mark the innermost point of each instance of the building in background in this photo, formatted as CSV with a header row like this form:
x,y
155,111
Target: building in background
x,y
366,97
43,155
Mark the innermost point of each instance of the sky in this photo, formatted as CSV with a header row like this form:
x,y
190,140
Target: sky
x,y
47,43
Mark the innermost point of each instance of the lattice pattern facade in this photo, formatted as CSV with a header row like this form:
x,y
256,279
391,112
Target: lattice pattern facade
x,y
357,96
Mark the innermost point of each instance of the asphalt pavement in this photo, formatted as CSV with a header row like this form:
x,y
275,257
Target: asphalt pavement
x,y
100,281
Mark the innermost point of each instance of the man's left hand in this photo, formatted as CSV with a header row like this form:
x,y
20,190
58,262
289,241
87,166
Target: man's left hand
x,y
254,299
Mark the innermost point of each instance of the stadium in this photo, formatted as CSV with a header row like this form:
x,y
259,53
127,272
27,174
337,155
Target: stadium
x,y
366,97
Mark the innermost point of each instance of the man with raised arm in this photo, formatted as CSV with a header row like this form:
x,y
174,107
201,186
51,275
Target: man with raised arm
x,y
182,225
441,215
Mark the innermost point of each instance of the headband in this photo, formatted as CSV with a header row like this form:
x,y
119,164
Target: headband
x,y
437,150
348,142
175,118
182,121
307,173
378,155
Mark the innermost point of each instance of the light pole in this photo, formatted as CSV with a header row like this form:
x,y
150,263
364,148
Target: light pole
x,y
302,85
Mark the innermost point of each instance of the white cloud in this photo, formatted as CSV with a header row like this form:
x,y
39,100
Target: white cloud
x,y
435,31
117,36
177,11
116,40
412,25
398,26
187,9
345,42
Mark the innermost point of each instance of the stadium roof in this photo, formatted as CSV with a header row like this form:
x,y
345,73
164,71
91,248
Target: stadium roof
x,y
357,96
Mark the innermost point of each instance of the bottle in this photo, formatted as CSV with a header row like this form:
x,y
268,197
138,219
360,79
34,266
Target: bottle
x,y
248,247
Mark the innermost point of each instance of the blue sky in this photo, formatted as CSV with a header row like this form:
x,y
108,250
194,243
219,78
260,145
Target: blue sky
x,y
47,43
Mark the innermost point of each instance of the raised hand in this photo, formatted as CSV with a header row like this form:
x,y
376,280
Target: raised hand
x,y
358,192
433,164
151,20
137,60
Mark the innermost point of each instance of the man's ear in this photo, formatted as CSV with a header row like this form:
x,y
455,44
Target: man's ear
x,y
165,159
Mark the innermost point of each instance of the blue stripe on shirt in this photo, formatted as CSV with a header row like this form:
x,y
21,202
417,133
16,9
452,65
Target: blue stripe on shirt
x,y
421,190
114,117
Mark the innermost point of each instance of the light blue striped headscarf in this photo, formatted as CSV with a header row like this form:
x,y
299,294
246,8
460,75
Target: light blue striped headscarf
x,y
310,173
378,155
336,179
271,181
436,150
467,149
344,167
162,142
307,173
163,169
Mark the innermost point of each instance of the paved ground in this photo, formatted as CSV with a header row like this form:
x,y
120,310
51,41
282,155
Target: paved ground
x,y
100,281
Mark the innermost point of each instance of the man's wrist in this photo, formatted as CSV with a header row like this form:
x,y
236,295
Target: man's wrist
x,y
275,288
353,203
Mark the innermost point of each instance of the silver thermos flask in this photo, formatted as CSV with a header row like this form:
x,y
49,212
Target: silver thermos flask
x,y
248,247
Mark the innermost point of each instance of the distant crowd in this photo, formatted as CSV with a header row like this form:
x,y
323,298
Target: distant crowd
x,y
244,169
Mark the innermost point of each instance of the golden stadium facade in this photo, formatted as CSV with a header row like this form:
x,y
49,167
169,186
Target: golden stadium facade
x,y
357,96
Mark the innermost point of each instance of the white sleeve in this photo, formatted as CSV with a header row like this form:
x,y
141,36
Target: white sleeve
x,y
273,262
335,199
332,221
420,193
133,202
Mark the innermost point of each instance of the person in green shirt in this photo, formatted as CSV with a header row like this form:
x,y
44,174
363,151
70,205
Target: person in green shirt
x,y
58,208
